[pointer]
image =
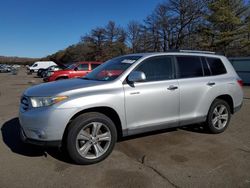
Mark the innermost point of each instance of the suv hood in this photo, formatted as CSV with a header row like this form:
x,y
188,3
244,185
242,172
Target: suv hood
x,y
57,87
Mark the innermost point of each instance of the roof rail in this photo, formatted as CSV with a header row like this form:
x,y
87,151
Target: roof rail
x,y
191,51
197,51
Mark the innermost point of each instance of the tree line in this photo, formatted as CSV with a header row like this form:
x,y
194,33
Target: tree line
x,y
17,60
214,25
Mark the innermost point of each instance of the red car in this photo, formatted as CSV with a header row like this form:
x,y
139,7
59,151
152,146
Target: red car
x,y
76,70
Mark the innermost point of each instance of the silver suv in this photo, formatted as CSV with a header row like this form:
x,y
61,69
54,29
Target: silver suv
x,y
128,95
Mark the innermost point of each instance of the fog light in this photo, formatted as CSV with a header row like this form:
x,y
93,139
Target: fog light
x,y
40,134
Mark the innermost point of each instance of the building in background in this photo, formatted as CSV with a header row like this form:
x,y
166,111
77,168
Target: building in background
x,y
242,67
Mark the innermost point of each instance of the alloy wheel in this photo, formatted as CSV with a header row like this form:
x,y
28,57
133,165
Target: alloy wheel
x,y
93,140
220,117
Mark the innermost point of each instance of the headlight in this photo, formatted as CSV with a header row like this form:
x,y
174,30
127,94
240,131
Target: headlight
x,y
46,101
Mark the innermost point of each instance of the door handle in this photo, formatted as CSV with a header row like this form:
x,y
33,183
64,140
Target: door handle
x,y
211,83
135,93
171,87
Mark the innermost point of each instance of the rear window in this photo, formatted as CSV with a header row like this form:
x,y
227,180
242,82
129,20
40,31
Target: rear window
x,y
216,66
189,66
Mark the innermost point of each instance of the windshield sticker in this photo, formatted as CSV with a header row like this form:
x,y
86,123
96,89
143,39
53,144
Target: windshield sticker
x,y
130,61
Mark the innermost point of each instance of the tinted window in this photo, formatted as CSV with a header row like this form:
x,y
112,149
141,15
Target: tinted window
x,y
216,66
157,68
83,67
93,66
189,66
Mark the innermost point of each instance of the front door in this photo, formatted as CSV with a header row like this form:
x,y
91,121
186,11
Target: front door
x,y
154,103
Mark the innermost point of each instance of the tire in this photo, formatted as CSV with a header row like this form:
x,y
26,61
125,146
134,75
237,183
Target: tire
x,y
82,140
219,116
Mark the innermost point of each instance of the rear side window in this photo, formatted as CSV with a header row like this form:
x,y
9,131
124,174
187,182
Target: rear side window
x,y
216,66
84,67
189,66
157,68
93,66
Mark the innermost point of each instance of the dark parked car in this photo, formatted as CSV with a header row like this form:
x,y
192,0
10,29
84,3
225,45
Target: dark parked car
x,y
43,72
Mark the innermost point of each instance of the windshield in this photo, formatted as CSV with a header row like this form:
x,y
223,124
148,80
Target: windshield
x,y
112,69
71,67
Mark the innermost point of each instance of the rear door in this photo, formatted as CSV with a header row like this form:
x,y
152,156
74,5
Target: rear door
x,y
195,84
155,102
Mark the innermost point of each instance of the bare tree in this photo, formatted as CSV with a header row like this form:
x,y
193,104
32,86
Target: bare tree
x,y
164,25
152,26
183,13
134,35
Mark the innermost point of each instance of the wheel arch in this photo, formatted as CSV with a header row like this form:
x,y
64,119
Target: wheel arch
x,y
108,111
227,98
62,76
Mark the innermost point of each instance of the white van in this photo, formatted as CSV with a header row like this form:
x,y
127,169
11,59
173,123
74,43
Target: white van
x,y
40,65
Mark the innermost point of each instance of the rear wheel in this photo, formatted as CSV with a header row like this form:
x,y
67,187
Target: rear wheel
x,y
218,116
91,138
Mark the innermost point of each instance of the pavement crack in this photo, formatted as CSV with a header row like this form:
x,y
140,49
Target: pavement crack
x,y
216,168
143,162
160,174
143,159
244,150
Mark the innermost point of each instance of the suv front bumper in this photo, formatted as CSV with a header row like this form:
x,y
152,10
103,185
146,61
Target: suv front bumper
x,y
46,124
27,140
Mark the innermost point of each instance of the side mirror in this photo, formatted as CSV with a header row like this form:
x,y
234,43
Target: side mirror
x,y
136,76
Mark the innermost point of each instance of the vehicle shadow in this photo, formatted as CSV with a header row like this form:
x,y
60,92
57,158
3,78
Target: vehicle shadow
x,y
11,137
195,128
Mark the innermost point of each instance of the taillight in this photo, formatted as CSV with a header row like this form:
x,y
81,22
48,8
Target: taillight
x,y
240,82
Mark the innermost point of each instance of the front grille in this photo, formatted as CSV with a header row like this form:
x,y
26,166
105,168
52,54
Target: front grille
x,y
24,103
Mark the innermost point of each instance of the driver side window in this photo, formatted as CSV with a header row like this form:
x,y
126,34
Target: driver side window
x,y
157,68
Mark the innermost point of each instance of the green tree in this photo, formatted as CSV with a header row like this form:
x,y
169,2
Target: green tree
x,y
227,26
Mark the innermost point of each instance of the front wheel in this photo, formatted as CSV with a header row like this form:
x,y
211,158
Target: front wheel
x,y
218,116
91,138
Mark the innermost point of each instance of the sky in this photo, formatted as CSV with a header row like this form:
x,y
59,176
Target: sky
x,y
37,28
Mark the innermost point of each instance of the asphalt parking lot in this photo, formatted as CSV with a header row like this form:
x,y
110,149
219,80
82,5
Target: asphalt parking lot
x,y
183,157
